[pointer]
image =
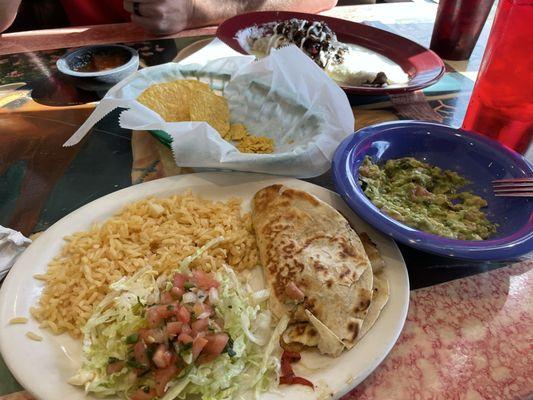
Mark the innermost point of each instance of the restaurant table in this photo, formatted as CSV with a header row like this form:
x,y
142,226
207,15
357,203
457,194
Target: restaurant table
x,y
468,333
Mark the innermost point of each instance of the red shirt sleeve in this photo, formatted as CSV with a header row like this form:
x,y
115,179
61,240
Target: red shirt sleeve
x,y
95,12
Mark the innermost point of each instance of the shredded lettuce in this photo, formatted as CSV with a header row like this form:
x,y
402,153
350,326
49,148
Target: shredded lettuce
x,y
184,265
252,366
118,315
255,363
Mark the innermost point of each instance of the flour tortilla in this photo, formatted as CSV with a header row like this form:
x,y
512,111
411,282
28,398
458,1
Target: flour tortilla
x,y
307,242
329,342
301,333
380,290
380,298
376,261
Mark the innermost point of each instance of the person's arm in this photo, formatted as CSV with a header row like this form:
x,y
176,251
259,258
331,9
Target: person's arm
x,y
8,12
209,12
170,16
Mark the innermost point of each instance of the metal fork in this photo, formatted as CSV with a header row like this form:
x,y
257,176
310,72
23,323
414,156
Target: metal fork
x,y
513,187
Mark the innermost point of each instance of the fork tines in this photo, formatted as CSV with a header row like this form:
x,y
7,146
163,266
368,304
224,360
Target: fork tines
x,y
513,187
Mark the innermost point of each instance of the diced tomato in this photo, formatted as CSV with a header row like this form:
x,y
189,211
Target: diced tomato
x,y
174,328
220,322
144,333
115,367
169,309
186,328
179,280
208,308
198,345
153,316
204,280
200,325
172,309
162,356
166,298
185,338
183,315
158,335
157,314
176,292
139,351
162,377
420,191
216,343
294,292
140,394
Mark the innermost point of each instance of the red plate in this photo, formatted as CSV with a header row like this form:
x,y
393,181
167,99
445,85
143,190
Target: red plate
x,y
423,66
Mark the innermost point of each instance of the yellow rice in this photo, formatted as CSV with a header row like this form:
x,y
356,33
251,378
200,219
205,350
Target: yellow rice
x,y
159,232
18,320
33,336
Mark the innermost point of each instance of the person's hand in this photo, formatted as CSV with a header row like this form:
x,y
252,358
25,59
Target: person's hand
x,y
162,17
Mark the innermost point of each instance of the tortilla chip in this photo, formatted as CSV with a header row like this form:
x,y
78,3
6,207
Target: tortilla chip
x,y
192,100
170,100
256,144
237,132
196,85
211,108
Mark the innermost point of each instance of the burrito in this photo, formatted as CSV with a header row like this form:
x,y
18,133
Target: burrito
x,y
315,267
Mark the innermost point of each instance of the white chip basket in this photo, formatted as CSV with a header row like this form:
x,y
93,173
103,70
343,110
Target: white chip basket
x,y
284,96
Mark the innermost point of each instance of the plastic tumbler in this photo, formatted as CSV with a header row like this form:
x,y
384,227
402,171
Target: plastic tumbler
x,y
457,27
501,105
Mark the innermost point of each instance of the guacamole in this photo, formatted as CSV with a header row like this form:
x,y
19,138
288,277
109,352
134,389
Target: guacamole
x,y
426,198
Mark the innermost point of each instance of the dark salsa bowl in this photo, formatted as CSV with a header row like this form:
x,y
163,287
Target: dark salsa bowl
x,y
99,67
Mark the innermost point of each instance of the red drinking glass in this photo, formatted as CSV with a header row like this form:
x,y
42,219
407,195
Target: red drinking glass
x,y
501,105
457,27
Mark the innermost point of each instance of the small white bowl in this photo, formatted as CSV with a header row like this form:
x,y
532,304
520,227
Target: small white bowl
x,y
97,80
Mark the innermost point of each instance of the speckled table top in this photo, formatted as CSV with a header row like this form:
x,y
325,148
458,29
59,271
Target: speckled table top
x,y
469,339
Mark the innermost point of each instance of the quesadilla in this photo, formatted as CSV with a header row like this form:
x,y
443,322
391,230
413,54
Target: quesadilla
x,y
376,261
315,267
380,296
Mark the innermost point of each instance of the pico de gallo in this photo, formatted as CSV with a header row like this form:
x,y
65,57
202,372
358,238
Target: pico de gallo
x,y
182,329
188,332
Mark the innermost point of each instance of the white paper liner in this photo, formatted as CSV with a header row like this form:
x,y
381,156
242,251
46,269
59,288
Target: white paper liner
x,y
285,96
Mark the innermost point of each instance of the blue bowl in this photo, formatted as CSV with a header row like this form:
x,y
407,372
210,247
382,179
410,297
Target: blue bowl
x,y
476,157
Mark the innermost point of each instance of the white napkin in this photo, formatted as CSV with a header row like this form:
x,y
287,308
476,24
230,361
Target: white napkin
x,y
214,50
12,243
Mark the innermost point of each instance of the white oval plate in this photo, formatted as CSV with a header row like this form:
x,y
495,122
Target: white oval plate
x,y
44,367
